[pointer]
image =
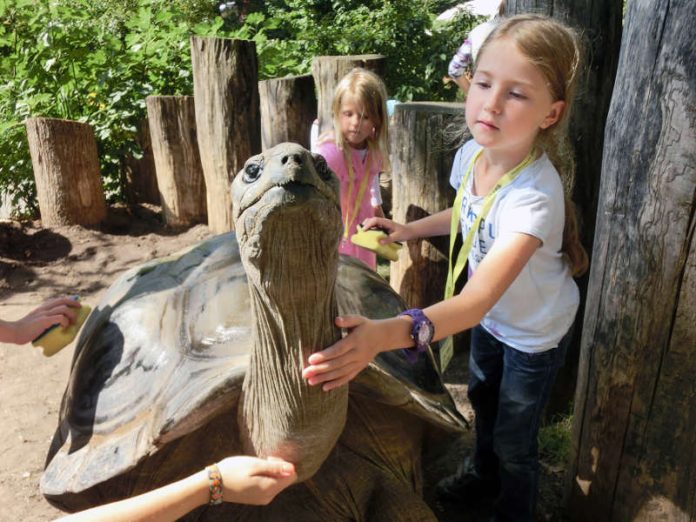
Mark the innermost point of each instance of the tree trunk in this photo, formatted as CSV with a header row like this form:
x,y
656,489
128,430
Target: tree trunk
x,y
66,170
421,164
599,23
179,172
225,86
328,71
288,108
141,178
634,428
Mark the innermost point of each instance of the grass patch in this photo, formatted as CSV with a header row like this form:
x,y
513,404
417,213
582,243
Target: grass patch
x,y
554,440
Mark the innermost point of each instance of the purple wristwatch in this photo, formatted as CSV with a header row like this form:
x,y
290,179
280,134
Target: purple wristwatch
x,y
422,332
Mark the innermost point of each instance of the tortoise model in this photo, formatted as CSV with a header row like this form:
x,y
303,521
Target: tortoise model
x,y
197,356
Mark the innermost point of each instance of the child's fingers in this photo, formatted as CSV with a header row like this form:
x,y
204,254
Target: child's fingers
x,y
378,222
59,301
53,319
274,466
64,310
349,321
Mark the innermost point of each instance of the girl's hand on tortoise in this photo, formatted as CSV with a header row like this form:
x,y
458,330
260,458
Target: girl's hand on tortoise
x,y
342,361
251,480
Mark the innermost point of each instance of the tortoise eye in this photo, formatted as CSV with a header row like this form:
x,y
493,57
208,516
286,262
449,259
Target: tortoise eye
x,y
252,172
322,167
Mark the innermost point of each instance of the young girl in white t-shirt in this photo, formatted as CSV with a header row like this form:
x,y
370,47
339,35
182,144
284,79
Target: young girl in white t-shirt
x,y
520,240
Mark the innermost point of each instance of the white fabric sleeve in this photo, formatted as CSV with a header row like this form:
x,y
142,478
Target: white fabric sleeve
x,y
529,212
375,192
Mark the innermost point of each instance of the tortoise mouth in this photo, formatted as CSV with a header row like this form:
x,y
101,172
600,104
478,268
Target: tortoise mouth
x,y
288,194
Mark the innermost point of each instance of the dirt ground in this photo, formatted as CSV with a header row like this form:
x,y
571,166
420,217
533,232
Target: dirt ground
x,y
37,263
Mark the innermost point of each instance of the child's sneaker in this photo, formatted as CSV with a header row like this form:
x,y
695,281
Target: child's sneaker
x,y
467,486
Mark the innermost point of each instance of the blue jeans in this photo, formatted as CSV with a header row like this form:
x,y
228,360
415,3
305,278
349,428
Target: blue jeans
x,y
508,390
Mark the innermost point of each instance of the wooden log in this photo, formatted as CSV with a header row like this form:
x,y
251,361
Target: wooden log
x,y
140,175
599,23
328,71
66,170
288,108
178,164
634,428
225,87
421,163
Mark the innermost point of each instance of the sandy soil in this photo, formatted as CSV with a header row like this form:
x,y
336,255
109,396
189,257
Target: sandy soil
x,y
38,263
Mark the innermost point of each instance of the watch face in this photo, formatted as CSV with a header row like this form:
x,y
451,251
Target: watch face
x,y
425,333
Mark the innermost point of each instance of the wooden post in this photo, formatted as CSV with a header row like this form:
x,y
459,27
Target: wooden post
x,y
634,427
178,164
288,108
141,178
421,164
225,87
66,170
328,71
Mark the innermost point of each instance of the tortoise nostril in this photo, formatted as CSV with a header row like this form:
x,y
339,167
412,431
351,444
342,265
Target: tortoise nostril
x,y
296,158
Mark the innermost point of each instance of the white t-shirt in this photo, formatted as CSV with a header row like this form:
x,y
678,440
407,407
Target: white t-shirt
x,y
538,308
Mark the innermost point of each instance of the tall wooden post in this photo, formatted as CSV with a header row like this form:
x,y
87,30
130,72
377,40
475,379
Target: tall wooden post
x,y
288,108
225,87
328,71
599,24
421,162
634,427
66,170
140,174
178,164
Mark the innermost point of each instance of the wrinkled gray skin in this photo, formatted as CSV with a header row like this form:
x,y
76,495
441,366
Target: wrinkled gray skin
x,y
197,356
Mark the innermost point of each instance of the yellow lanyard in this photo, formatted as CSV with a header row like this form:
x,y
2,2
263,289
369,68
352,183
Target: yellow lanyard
x,y
446,346
348,220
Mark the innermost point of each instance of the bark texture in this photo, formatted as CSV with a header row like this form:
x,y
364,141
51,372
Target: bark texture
x,y
599,25
328,71
421,163
288,108
225,87
66,170
634,428
179,171
140,173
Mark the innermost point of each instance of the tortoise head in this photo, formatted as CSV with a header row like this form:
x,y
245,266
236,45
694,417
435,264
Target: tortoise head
x,y
287,216
286,203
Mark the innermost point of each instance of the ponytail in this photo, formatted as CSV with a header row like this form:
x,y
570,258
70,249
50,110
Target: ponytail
x,y
572,248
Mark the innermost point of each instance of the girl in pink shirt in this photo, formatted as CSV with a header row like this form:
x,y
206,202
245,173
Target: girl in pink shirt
x,y
357,151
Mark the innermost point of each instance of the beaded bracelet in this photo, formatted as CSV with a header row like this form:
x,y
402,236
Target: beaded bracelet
x,y
214,485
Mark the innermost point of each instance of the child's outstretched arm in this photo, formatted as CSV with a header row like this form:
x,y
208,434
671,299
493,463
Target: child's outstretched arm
x,y
435,225
245,480
54,311
342,361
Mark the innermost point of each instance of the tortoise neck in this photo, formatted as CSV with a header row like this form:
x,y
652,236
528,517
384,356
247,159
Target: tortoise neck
x,y
280,414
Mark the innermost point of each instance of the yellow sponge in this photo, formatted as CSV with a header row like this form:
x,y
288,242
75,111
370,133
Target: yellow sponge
x,y
370,239
58,337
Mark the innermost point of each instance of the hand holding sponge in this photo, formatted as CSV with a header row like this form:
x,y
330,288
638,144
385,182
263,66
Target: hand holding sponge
x,y
57,337
370,239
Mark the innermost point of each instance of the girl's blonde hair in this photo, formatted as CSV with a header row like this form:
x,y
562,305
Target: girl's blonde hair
x,y
366,88
554,49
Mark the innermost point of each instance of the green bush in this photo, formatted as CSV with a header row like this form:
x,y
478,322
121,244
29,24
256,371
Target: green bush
x,y
96,61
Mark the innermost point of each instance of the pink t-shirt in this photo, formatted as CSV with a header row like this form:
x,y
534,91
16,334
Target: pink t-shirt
x,y
334,157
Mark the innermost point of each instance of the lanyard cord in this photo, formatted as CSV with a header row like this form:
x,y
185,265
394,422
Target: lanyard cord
x,y
507,178
347,220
